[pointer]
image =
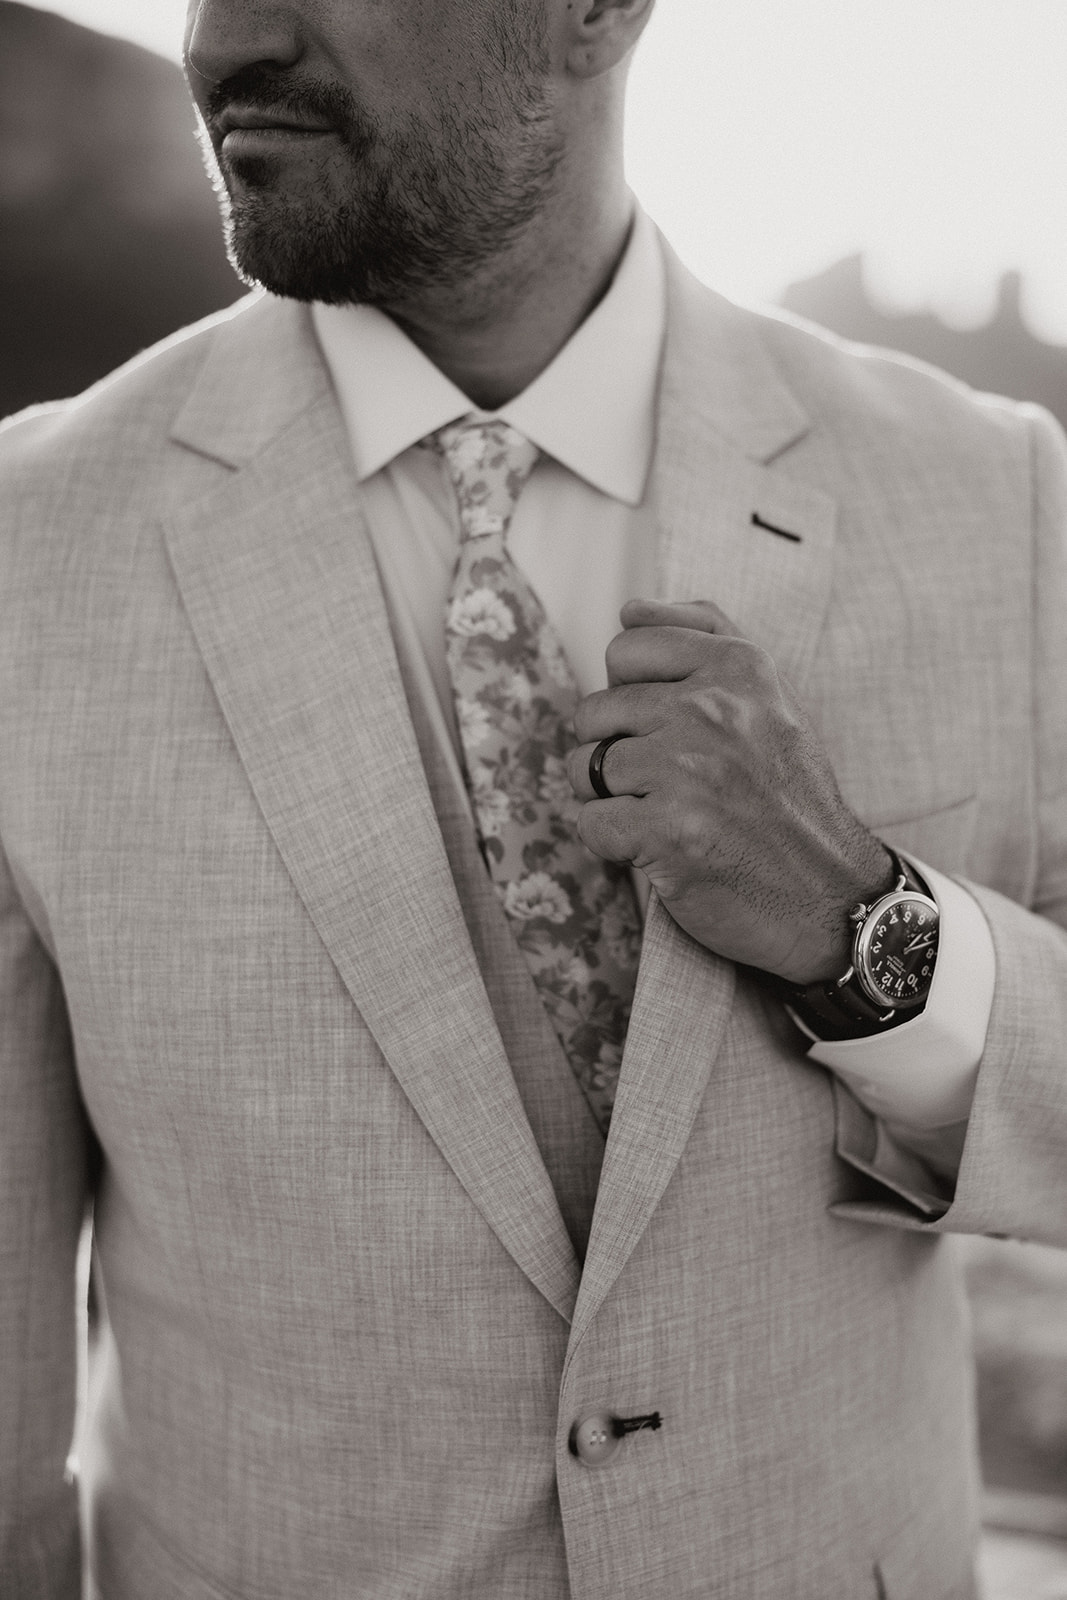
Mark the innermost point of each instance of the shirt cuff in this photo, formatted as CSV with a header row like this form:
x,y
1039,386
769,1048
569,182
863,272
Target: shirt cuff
x,y
922,1074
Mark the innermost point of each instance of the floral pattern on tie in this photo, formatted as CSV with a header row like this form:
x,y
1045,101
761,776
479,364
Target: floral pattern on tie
x,y
573,915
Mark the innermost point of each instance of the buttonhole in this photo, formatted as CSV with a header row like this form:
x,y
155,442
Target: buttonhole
x,y
783,533
624,1425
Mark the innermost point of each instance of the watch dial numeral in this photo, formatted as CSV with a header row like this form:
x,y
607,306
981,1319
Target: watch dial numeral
x,y
897,955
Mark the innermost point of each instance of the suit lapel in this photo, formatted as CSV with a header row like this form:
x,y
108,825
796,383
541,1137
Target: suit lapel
x,y
726,419
280,584
739,525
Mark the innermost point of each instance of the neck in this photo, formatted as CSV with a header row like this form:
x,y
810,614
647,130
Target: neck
x,y
495,335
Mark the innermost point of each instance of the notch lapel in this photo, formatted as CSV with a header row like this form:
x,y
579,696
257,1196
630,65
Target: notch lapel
x,y
279,581
726,420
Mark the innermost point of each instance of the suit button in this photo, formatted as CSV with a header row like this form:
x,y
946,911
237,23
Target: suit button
x,y
594,1439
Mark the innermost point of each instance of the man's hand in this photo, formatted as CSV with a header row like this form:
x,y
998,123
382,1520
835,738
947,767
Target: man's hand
x,y
725,798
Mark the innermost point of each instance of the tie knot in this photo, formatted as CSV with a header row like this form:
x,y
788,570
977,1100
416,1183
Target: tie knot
x,y
488,463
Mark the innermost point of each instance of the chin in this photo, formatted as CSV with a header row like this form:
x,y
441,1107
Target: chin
x,y
304,257
365,252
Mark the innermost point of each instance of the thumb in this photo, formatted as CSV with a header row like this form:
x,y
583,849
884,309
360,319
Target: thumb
x,y
702,615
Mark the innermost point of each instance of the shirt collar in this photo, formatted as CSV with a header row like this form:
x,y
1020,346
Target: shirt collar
x,y
592,408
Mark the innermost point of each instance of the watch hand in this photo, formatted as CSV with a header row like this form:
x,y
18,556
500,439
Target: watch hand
x,y
920,942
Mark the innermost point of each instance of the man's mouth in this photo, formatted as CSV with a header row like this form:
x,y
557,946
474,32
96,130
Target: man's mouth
x,y
245,126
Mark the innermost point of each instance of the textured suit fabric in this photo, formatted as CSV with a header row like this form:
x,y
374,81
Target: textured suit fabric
x,y
242,1002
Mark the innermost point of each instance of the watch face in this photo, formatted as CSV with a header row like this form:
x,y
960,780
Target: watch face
x,y
899,947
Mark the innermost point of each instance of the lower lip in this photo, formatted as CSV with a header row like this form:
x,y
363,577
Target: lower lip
x,y
257,141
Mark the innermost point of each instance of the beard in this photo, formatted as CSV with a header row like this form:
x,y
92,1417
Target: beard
x,y
382,215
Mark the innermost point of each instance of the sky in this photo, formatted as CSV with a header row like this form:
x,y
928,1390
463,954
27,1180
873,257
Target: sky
x,y
769,138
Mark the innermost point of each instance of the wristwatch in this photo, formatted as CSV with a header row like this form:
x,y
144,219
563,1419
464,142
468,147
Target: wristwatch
x,y
894,950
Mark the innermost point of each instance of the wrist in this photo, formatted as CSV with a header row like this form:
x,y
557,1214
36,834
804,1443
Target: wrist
x,y
889,967
823,955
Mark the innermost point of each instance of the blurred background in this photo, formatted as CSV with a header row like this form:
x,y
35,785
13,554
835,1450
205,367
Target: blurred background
x,y
893,169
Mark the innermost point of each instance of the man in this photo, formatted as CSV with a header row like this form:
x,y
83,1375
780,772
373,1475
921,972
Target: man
x,y
320,933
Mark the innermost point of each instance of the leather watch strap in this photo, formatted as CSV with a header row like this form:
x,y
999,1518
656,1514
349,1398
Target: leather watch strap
x,y
839,1008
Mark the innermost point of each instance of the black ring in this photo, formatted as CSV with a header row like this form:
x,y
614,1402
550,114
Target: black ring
x,y
596,766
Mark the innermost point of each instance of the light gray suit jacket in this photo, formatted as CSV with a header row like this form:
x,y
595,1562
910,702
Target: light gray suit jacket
x,y
254,995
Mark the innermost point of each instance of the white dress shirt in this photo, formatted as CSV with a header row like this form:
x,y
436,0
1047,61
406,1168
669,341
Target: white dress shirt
x,y
585,536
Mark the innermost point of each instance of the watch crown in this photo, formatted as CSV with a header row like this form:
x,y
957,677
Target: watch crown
x,y
858,912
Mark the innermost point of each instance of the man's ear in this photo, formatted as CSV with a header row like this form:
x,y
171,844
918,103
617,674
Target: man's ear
x,y
602,32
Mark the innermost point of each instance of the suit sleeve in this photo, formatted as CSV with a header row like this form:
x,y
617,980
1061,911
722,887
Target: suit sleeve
x,y
44,1167
1013,1170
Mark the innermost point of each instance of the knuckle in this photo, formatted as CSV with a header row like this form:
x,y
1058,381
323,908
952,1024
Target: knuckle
x,y
574,764
763,669
742,657
592,830
605,826
755,666
685,831
616,651
589,715
709,704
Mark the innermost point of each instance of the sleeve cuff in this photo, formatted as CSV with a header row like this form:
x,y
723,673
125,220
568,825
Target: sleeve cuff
x,y
922,1074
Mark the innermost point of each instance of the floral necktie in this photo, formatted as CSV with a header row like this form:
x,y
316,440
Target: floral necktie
x,y
574,916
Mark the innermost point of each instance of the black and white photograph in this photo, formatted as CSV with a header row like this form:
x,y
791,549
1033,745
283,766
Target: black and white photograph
x,y
533,800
